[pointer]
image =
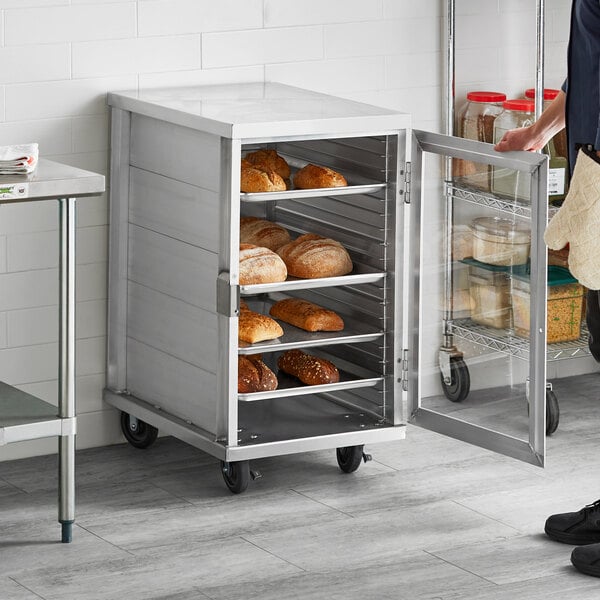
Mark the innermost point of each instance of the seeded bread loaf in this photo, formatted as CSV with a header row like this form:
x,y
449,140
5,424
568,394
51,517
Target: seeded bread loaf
x,y
261,232
311,256
254,327
254,376
309,369
260,265
306,315
315,176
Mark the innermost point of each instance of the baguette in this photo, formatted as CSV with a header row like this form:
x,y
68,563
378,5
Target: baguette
x,y
263,233
254,375
254,327
268,160
254,180
306,315
315,176
311,256
260,265
309,369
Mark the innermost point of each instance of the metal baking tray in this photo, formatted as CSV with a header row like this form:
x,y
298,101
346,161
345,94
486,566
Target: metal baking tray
x,y
370,188
293,337
289,386
294,283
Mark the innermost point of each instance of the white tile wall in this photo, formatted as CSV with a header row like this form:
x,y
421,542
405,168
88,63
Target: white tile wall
x,y
58,58
46,25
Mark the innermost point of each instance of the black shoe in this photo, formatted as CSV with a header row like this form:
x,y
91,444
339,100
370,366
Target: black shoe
x,y
587,559
579,528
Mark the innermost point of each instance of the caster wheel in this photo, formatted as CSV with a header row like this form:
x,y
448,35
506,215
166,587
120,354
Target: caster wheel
x,y
459,387
236,475
552,412
138,433
349,458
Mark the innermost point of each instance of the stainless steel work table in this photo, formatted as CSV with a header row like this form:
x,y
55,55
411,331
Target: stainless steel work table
x,y
23,416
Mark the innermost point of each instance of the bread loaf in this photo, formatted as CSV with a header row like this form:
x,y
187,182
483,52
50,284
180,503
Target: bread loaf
x,y
267,380
309,369
306,315
268,160
254,180
260,265
263,233
311,256
254,376
314,176
254,327
248,377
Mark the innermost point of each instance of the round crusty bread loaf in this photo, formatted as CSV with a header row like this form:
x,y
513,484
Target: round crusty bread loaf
x,y
268,160
263,233
260,265
315,176
254,180
311,256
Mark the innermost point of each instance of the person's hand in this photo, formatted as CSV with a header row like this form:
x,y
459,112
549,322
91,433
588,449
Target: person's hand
x,y
519,139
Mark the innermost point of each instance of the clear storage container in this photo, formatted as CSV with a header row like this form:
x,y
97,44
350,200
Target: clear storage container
x,y
498,241
508,182
565,299
490,297
476,122
556,149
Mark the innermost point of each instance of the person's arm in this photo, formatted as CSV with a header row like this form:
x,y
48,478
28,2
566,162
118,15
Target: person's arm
x,y
536,136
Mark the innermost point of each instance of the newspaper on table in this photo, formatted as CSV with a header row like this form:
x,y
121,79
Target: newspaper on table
x,y
18,159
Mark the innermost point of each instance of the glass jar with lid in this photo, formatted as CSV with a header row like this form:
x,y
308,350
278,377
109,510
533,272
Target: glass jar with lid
x,y
476,122
556,149
508,182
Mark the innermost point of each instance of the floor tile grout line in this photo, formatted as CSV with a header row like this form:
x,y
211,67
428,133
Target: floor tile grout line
x,y
183,499
289,562
25,587
105,540
448,562
477,512
351,516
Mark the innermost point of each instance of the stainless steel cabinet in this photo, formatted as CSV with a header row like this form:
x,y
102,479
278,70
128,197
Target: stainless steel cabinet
x,y
174,282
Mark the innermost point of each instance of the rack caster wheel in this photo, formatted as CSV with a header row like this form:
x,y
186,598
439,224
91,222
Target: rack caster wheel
x,y
460,384
138,433
237,475
552,412
350,457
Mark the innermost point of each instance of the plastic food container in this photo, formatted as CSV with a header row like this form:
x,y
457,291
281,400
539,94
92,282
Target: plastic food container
x,y
565,300
476,122
508,182
498,241
490,297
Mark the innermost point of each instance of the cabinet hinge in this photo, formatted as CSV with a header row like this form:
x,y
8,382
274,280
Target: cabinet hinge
x,y
407,176
404,375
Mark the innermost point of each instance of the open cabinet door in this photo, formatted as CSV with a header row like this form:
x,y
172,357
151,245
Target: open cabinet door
x,y
476,318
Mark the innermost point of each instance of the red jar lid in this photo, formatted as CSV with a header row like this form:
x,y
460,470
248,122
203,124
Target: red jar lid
x,y
522,104
549,93
486,97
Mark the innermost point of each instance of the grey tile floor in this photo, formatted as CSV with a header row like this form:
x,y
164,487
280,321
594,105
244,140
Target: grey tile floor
x,y
428,518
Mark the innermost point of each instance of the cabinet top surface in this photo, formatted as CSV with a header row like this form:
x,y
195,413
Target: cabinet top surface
x,y
257,109
50,180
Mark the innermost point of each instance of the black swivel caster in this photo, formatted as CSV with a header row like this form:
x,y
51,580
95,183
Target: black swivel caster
x,y
236,475
138,433
552,412
460,381
350,457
